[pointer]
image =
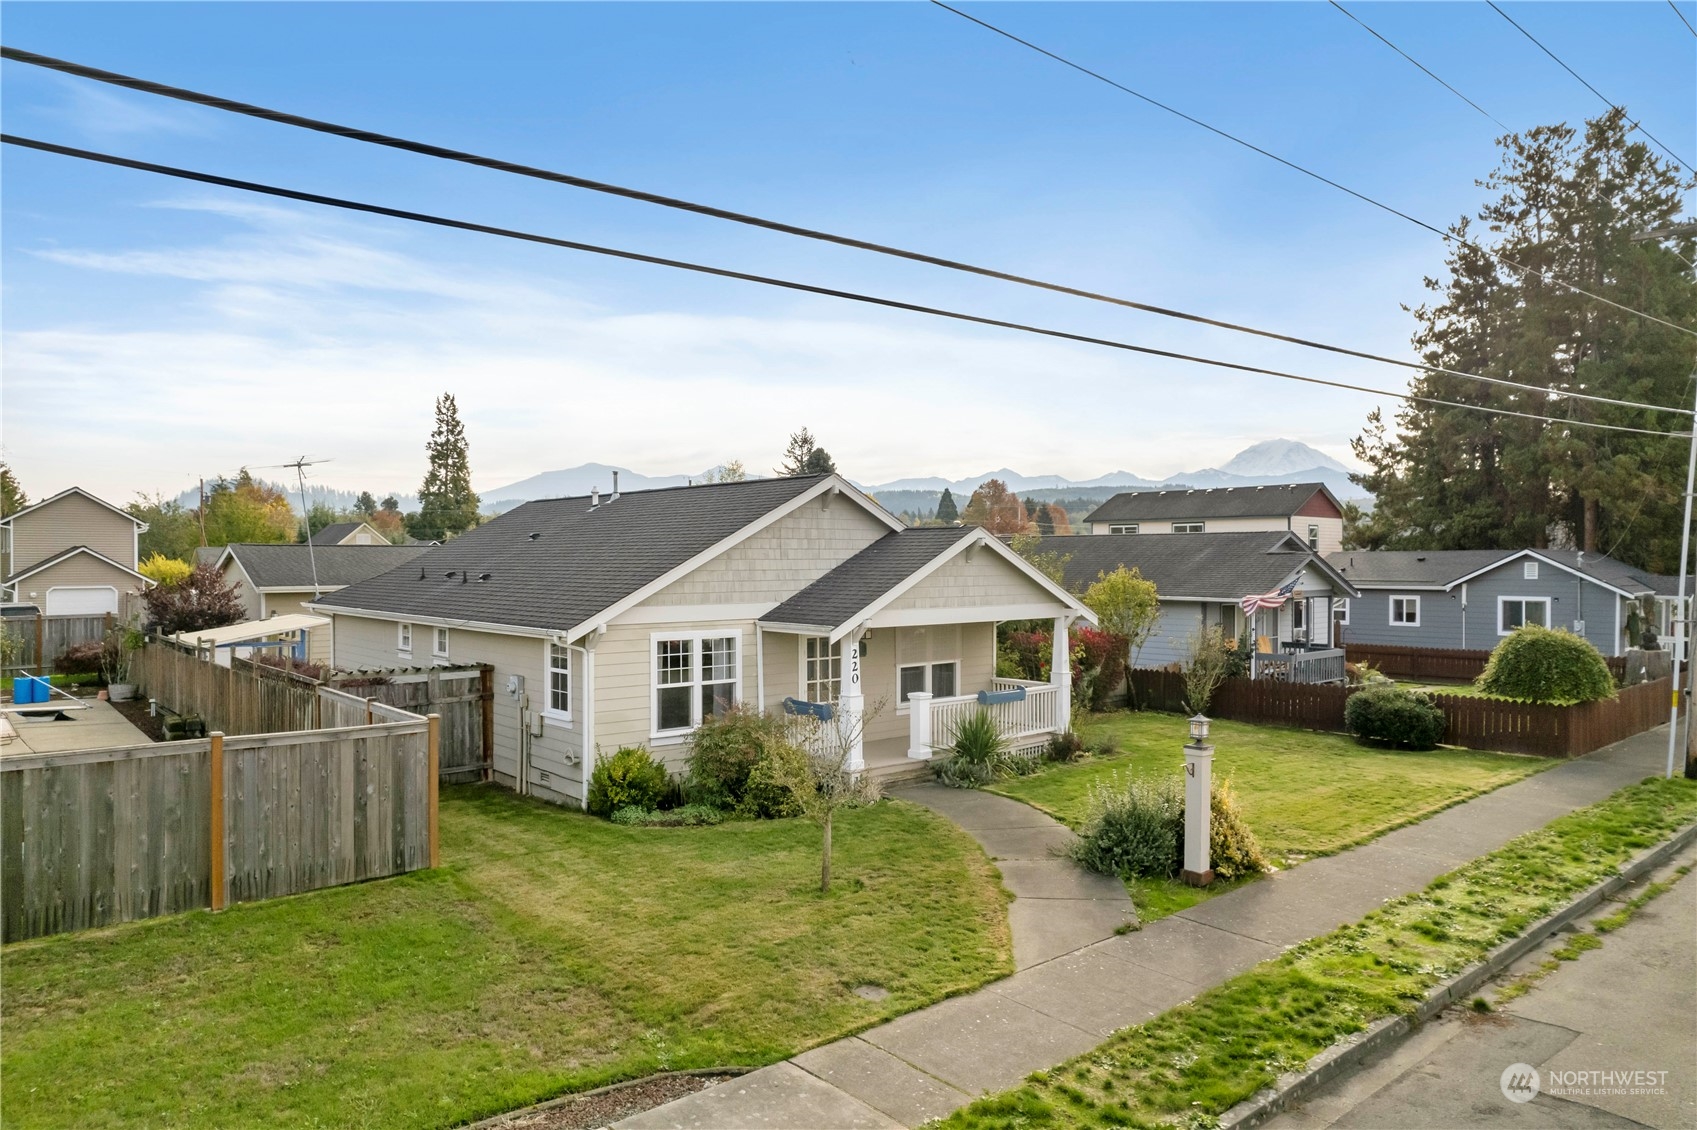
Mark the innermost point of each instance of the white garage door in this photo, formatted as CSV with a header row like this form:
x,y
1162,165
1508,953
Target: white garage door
x,y
81,600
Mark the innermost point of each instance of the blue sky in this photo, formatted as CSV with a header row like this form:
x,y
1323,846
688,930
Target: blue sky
x,y
155,331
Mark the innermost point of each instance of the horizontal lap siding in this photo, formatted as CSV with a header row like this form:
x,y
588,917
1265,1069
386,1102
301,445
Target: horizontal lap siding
x,y
1174,632
1440,621
1570,599
73,520
985,581
624,682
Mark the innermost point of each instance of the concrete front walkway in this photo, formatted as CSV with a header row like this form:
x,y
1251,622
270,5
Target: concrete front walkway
x,y
1062,1002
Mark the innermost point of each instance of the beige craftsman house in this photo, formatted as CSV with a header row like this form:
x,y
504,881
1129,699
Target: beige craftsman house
x,y
627,619
72,555
281,580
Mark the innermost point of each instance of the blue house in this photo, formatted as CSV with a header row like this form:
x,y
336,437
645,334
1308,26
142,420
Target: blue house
x,y
1470,598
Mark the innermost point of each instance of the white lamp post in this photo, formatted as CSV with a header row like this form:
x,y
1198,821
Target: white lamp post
x,y
1198,804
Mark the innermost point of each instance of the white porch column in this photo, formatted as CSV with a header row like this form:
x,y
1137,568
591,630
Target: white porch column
x,y
851,703
919,725
1060,673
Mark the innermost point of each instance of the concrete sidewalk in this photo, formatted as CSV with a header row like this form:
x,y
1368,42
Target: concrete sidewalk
x,y
1060,1004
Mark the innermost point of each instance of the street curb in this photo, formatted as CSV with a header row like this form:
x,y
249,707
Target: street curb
x,y
508,1117
1384,1034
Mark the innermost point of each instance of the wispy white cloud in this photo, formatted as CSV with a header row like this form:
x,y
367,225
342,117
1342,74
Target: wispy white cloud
x,y
302,336
101,114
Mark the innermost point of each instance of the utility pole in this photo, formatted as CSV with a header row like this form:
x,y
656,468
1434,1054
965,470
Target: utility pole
x,y
300,465
1682,603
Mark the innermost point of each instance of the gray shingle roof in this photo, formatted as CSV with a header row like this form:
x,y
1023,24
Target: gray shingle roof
x,y
1434,568
582,560
335,532
868,575
1209,566
290,566
1278,500
1441,567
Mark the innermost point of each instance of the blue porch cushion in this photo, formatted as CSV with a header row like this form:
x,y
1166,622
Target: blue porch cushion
x,y
991,698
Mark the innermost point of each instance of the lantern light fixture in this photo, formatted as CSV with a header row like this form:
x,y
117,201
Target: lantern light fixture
x,y
1199,729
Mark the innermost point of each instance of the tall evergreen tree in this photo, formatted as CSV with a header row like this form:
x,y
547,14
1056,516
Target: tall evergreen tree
x,y
1045,520
1573,206
446,503
12,496
804,456
948,512
365,505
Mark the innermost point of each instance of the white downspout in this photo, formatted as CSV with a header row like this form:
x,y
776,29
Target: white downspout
x,y
760,667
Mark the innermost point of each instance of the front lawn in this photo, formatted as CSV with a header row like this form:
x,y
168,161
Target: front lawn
x,y
1303,793
552,952
1189,1065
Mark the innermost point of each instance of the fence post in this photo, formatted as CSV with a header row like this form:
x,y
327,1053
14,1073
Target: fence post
x,y
41,644
217,808
919,725
368,715
486,691
434,731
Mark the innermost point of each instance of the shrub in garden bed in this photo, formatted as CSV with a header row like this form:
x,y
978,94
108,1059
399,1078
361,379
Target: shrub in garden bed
x,y
1536,664
1136,830
978,753
724,755
631,778
80,659
1385,714
687,816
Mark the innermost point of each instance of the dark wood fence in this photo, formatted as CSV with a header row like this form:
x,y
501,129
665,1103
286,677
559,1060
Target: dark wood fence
x,y
1446,664
1475,723
42,639
464,697
255,698
97,837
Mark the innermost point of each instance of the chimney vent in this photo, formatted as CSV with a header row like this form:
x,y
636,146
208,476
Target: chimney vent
x,y
594,497
614,497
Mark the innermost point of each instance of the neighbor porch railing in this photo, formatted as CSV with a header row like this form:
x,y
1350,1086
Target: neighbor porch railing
x,y
932,722
1306,667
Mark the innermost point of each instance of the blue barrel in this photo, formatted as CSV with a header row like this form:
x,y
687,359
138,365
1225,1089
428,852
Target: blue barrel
x,y
27,689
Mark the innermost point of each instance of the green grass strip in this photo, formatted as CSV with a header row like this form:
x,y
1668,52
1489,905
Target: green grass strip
x,y
1189,1065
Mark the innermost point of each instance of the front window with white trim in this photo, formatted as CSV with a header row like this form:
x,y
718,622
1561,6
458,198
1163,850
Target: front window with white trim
x,y
1340,610
1313,535
939,679
403,637
1518,611
695,678
1405,611
822,670
439,643
559,680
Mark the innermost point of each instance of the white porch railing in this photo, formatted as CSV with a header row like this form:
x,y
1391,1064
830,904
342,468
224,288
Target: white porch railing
x,y
932,722
1323,666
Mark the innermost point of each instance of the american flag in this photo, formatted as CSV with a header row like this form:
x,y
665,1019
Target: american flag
x,y
1274,599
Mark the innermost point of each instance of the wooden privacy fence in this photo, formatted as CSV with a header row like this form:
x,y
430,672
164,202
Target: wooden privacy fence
x,y
253,698
235,700
1438,663
1475,723
464,697
42,639
104,836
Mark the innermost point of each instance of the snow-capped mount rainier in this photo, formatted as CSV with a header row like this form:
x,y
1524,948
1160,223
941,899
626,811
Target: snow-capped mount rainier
x,y
1281,457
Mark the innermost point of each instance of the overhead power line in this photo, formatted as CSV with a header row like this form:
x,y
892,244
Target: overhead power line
x,y
352,133
1419,64
1682,19
1307,172
786,284
1607,101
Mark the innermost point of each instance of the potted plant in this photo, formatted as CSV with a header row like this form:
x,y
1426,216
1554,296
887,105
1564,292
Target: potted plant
x,y
115,658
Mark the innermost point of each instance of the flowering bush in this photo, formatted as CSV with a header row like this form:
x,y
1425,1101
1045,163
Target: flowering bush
x,y
1098,666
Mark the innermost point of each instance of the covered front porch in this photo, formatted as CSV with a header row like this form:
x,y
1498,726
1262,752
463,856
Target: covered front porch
x,y
897,646
1295,633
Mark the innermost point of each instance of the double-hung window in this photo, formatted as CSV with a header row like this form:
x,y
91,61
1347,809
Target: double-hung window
x,y
439,643
1518,611
1313,535
822,670
936,678
695,678
559,680
403,637
1405,611
1340,610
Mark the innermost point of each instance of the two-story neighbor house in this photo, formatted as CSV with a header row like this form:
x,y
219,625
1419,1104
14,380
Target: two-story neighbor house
x,y
72,555
1468,599
280,580
1308,510
627,619
1202,580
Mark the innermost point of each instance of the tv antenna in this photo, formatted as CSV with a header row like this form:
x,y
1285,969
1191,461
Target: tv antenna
x,y
300,465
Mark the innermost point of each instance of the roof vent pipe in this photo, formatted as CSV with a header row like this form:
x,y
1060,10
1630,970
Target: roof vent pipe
x,y
594,497
614,497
